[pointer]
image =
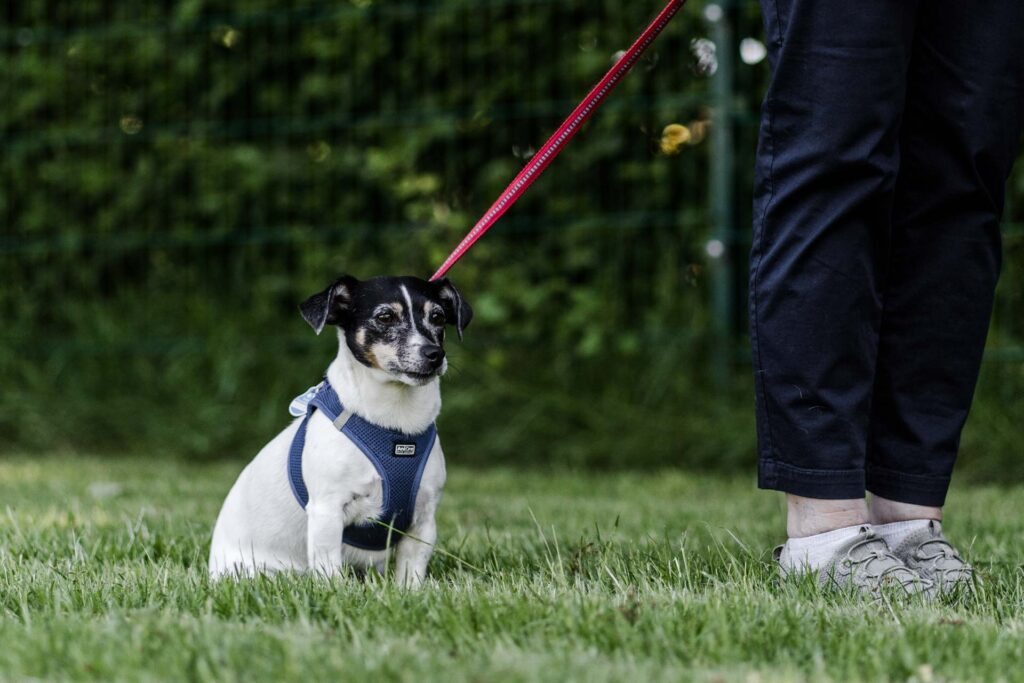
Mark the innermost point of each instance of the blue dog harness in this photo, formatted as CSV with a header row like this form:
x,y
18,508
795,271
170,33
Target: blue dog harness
x,y
398,457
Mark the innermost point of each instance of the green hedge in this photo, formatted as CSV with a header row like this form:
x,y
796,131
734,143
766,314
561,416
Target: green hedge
x,y
178,175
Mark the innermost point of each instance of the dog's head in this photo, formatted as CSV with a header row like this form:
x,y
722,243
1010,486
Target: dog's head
x,y
392,324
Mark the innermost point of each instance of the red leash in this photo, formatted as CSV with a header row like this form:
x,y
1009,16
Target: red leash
x,y
546,154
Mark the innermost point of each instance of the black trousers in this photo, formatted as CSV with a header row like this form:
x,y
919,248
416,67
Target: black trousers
x,y
887,137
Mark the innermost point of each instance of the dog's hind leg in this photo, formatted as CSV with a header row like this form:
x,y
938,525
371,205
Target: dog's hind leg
x,y
246,563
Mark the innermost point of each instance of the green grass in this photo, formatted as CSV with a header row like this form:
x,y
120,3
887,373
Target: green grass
x,y
593,577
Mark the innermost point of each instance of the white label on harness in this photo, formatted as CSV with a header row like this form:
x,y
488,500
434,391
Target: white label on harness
x,y
299,404
405,449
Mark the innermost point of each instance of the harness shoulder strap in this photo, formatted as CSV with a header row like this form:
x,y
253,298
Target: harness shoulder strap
x,y
325,399
295,479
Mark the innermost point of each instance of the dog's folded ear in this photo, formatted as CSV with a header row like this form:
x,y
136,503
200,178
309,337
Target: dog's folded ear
x,y
327,307
455,307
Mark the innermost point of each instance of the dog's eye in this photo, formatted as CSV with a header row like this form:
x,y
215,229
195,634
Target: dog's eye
x,y
437,317
385,317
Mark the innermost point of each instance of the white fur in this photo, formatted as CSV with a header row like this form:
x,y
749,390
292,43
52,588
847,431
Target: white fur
x,y
416,340
262,528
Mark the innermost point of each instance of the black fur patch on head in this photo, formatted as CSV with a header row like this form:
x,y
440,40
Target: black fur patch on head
x,y
395,324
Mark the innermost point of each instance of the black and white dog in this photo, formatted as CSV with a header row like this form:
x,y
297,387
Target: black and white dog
x,y
384,385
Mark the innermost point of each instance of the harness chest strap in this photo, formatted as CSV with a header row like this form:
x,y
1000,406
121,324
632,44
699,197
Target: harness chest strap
x,y
398,458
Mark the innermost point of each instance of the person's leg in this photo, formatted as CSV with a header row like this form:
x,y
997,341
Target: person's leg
x,y
885,511
961,129
960,133
825,176
812,516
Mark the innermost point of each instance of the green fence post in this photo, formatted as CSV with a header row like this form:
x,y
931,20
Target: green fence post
x,y
721,198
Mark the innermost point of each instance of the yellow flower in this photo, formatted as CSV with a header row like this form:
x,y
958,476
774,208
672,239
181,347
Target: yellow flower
x,y
673,137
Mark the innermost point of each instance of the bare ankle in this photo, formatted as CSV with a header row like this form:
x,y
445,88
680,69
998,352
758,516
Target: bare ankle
x,y
885,511
810,516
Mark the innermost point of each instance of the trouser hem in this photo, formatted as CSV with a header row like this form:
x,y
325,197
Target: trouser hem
x,y
826,484
901,487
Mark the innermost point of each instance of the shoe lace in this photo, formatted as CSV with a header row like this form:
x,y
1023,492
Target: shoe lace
x,y
940,548
943,557
875,552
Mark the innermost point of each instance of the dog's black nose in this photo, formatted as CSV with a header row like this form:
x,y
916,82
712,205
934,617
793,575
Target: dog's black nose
x,y
434,354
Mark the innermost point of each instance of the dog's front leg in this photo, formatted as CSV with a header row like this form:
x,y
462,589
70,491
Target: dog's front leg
x,y
414,552
326,523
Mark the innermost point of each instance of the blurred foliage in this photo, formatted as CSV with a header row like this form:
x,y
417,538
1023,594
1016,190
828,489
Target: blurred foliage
x,y
177,176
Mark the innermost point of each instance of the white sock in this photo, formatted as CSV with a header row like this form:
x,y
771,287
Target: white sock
x,y
893,533
817,551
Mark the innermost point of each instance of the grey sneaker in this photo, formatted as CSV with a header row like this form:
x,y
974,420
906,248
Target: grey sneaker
x,y
928,553
866,565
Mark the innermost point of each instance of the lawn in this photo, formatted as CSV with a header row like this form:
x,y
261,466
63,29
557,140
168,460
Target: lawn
x,y
546,576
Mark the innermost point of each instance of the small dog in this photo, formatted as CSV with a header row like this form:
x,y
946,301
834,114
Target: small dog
x,y
363,459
